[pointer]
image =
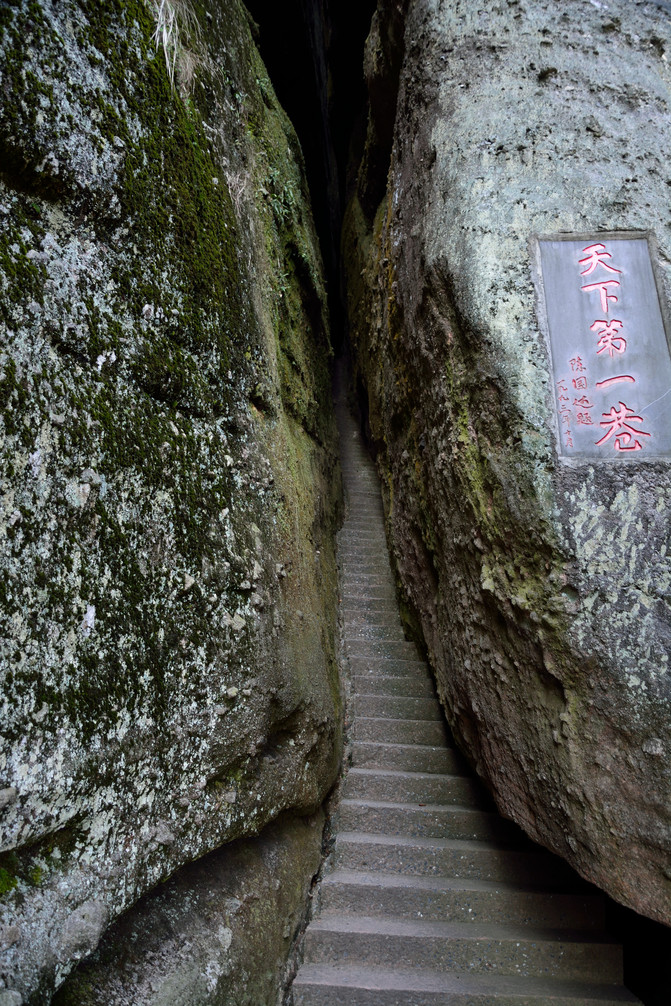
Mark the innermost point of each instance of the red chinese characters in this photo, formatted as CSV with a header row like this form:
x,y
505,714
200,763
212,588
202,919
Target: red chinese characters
x,y
621,423
596,255
609,339
565,411
617,424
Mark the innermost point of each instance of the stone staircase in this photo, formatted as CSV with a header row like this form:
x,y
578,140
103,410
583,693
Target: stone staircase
x,y
431,897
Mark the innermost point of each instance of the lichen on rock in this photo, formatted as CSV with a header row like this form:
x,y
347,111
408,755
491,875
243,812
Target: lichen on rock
x,y
540,590
216,934
167,462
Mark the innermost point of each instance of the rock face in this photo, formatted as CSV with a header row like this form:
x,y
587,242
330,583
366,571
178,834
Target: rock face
x,y
167,575
216,934
541,589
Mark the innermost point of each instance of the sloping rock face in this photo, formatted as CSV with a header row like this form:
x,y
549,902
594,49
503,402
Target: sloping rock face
x,y
542,590
216,934
167,574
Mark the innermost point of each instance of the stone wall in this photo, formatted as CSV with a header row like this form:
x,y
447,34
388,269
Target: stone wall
x,y
541,589
168,466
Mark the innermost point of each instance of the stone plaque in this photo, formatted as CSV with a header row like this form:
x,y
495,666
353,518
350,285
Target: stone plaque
x,y
610,354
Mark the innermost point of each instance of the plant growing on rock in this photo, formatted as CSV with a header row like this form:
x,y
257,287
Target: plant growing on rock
x,y
176,29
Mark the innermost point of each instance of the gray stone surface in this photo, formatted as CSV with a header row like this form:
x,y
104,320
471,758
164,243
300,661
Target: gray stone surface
x,y
11,998
167,465
218,933
542,590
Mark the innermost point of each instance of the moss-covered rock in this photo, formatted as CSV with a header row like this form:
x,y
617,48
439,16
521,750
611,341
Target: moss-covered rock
x,y
167,463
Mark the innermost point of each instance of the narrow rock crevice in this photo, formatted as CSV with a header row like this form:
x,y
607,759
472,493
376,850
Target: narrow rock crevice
x,y
428,896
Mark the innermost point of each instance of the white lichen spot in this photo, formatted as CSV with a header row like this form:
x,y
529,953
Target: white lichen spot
x,y
89,620
105,358
225,936
148,312
35,461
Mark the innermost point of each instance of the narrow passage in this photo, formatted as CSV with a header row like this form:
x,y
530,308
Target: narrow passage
x,y
431,897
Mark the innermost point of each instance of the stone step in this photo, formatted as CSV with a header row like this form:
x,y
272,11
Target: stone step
x,y
372,527
450,900
385,605
366,548
398,707
328,985
371,573
359,547
364,515
357,616
378,684
447,857
364,579
364,510
357,518
370,596
430,732
360,477
382,648
379,562
406,757
368,631
372,554
414,787
379,592
373,586
474,947
386,614
370,537
378,817
388,666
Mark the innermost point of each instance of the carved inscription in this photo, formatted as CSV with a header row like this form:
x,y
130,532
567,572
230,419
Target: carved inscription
x,y
610,355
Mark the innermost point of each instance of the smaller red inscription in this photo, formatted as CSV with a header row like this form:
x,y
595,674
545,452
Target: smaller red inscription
x,y
577,365
565,412
579,383
584,419
583,402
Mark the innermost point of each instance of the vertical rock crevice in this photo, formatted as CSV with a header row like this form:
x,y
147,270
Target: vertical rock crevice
x,y
517,569
169,452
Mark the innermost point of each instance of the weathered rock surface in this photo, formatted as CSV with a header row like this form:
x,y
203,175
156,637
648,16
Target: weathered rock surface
x,y
542,590
167,577
216,934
